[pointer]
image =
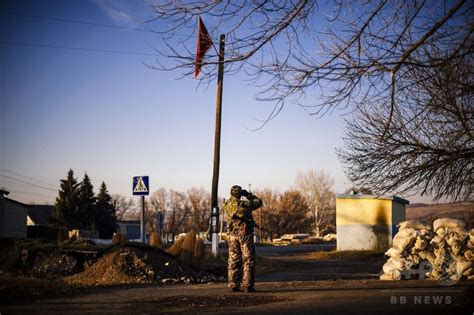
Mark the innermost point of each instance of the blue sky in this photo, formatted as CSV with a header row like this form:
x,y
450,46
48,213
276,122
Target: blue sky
x,y
110,116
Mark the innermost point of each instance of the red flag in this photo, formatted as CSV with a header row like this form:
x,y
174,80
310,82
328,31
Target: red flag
x,y
203,45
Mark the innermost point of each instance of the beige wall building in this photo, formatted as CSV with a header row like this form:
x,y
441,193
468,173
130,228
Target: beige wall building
x,y
367,222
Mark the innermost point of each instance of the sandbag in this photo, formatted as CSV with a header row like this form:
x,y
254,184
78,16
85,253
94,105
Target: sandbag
x,y
408,232
420,243
386,277
441,232
412,260
453,238
404,238
470,241
447,249
468,272
401,243
459,230
393,252
448,223
428,256
413,224
390,276
398,262
469,255
462,266
388,267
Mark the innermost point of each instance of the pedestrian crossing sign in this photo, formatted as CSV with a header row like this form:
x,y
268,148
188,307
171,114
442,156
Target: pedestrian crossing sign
x,y
141,186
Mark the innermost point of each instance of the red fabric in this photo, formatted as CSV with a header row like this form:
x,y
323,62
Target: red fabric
x,y
203,44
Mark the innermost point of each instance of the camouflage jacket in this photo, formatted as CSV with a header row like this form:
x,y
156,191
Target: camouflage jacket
x,y
239,212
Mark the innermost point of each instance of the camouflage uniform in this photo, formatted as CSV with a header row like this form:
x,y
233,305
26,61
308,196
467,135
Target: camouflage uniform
x,y
240,225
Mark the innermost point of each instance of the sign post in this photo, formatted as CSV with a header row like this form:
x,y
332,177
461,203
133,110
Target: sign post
x,y
141,188
215,231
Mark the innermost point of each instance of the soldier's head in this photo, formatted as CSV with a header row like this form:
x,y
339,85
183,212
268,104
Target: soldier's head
x,y
236,191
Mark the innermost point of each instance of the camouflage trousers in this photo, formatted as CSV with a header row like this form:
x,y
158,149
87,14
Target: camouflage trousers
x,y
241,260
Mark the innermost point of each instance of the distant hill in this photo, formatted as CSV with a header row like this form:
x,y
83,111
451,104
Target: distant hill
x,y
461,210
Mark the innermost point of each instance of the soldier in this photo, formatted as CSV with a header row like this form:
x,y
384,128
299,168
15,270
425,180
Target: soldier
x,y
240,225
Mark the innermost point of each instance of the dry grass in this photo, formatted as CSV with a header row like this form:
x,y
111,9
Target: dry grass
x,y
175,249
346,255
447,210
155,240
119,238
199,254
189,250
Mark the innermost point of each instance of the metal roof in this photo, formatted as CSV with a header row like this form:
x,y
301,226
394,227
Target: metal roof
x,y
362,196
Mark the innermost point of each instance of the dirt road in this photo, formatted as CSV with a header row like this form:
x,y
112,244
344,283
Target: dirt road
x,y
292,284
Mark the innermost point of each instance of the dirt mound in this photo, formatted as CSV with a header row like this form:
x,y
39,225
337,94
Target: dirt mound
x,y
129,265
87,264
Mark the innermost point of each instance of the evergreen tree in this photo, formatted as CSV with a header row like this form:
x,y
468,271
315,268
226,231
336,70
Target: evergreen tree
x,y
86,213
67,202
105,215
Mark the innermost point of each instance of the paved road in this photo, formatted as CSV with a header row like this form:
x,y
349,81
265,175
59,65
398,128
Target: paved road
x,y
309,287
293,249
295,297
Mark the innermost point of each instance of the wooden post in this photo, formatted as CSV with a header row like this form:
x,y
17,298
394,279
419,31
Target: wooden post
x,y
217,146
217,132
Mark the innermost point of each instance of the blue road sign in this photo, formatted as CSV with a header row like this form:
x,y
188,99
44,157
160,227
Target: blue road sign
x,y
140,186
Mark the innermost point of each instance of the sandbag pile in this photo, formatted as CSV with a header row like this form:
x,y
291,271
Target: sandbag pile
x,y
442,252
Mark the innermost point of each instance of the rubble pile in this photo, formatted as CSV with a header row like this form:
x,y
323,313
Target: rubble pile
x,y
89,264
43,259
442,252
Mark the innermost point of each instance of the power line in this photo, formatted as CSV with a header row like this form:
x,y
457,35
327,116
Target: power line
x,y
9,182
30,178
78,22
92,24
78,48
22,181
27,193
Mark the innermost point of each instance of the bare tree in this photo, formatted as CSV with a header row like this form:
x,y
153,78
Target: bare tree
x,y
293,209
283,213
176,217
316,188
429,146
320,56
157,202
267,216
123,206
200,208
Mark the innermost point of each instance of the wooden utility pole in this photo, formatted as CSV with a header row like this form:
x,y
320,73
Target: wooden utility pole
x,y
217,132
217,148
